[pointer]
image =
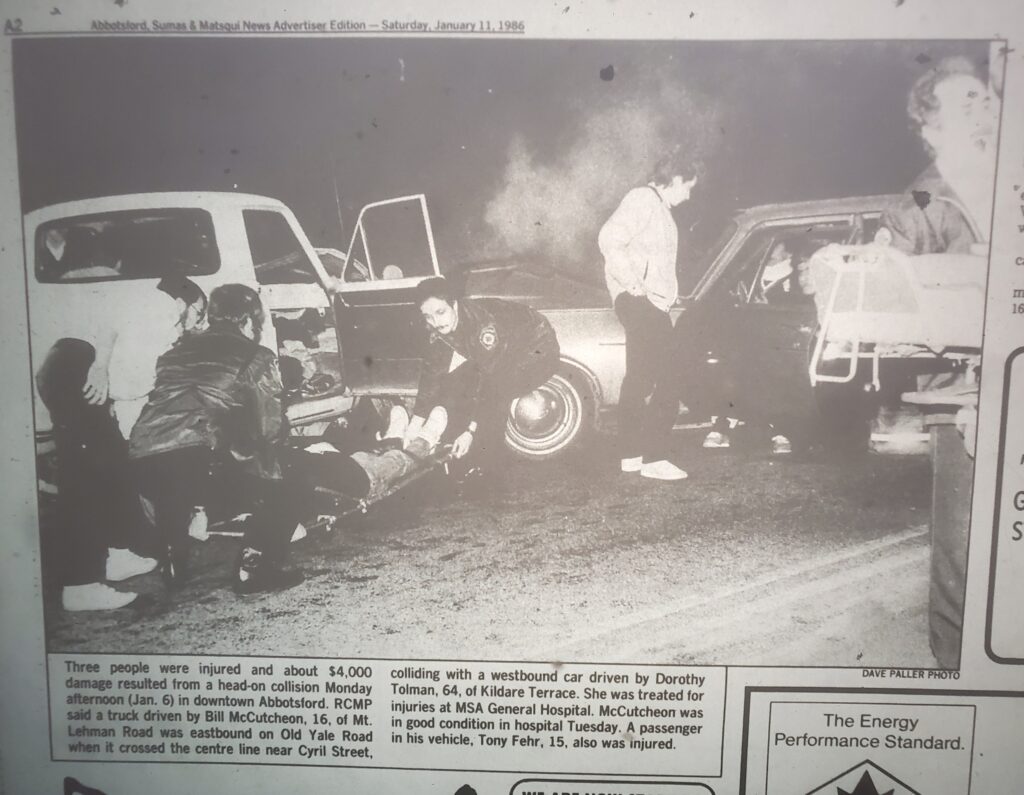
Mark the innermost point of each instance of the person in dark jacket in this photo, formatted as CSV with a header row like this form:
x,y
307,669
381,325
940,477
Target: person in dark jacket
x,y
213,430
483,354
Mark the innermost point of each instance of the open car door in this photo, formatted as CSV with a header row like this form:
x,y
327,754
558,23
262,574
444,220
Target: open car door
x,y
293,288
383,337
764,322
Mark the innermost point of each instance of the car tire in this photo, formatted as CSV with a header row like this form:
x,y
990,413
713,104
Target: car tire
x,y
554,418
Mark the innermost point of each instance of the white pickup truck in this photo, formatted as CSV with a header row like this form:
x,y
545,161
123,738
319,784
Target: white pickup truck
x,y
88,259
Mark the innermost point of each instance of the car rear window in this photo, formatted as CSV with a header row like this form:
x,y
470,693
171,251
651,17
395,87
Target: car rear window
x,y
127,244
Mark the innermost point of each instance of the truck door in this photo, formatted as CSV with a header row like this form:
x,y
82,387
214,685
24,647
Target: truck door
x,y
383,337
292,284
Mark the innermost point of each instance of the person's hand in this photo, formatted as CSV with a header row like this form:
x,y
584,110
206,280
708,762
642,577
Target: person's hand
x,y
636,289
97,384
462,444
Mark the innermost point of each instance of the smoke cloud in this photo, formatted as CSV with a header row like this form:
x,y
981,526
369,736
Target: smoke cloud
x,y
556,193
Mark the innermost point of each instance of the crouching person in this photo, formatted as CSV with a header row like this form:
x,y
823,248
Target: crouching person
x,y
214,427
484,353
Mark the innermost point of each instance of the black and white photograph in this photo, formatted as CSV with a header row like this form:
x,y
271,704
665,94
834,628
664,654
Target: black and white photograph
x,y
538,349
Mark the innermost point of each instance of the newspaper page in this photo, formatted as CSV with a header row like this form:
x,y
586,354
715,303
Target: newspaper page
x,y
569,398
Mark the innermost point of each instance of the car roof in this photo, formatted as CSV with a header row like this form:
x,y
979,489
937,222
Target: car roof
x,y
148,201
848,204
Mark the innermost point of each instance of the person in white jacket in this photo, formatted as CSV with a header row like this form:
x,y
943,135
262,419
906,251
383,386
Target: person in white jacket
x,y
639,243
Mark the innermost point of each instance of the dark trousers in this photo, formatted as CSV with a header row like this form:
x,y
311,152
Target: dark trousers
x,y
97,506
305,472
649,399
177,481
497,391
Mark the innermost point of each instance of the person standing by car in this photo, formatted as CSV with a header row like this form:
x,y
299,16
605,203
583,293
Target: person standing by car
x,y
484,353
639,243
214,427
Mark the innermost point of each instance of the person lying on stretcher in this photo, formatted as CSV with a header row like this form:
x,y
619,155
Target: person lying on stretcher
x,y
373,474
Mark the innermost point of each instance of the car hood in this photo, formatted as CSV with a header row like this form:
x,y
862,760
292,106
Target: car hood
x,y
542,290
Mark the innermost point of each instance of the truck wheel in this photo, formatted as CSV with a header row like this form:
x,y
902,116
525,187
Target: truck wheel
x,y
552,418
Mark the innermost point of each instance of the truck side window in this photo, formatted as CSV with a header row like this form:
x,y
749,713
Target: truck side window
x,y
126,244
392,242
277,255
356,269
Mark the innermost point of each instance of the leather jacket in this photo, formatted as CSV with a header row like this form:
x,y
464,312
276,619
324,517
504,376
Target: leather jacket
x,y
493,335
215,389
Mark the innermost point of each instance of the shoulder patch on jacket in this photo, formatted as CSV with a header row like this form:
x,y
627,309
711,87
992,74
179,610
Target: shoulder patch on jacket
x,y
489,336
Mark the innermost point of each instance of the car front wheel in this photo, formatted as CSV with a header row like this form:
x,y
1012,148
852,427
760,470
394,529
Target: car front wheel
x,y
552,418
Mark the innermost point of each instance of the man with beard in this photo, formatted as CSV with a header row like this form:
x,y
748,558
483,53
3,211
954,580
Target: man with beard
x,y
949,206
214,429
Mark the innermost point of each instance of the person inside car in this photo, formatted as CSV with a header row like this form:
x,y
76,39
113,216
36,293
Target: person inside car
x,y
484,353
213,431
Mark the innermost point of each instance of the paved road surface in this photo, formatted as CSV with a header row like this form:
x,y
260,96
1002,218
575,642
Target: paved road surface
x,y
753,560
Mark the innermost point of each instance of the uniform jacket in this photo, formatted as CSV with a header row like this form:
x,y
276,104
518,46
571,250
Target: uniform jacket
x,y
492,335
216,389
929,219
639,243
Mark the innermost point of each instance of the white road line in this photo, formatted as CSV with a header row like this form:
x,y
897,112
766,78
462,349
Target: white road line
x,y
830,596
695,602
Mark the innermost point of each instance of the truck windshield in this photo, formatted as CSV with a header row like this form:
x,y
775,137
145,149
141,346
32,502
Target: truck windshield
x,y
127,244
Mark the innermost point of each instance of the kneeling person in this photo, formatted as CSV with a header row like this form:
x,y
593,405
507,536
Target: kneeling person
x,y
484,353
214,423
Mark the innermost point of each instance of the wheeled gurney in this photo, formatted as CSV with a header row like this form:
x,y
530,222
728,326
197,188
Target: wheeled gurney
x,y
876,302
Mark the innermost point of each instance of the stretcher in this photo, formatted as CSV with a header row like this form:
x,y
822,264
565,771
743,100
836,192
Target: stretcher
x,y
875,302
389,471
381,487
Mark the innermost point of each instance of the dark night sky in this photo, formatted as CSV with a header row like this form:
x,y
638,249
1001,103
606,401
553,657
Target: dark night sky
x,y
291,118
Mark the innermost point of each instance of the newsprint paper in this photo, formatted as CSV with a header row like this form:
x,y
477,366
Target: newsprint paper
x,y
554,398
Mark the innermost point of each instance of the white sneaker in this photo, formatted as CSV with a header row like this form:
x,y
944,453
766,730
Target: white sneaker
x,y
398,422
781,445
94,596
435,426
716,440
631,464
123,564
199,524
662,470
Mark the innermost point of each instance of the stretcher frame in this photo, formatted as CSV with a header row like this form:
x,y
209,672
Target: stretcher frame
x,y
858,348
346,505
